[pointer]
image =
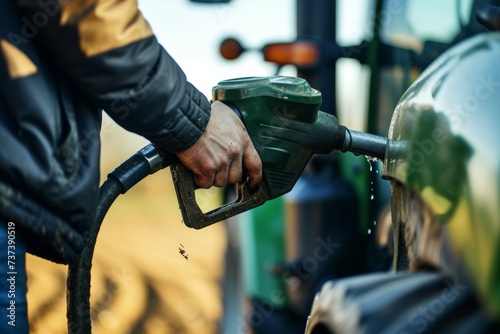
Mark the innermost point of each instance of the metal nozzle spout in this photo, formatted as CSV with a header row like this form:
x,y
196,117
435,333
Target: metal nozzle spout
x,y
364,143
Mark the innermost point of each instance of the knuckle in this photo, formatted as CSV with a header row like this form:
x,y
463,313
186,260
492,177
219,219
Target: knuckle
x,y
233,151
209,167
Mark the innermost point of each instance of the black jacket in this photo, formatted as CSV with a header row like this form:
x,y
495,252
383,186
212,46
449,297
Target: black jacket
x,y
60,66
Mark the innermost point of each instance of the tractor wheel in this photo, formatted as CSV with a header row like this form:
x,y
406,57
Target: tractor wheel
x,y
401,303
427,291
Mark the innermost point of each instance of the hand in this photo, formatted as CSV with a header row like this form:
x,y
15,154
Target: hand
x,y
221,152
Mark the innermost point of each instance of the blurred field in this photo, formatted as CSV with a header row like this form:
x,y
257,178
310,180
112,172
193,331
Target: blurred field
x,y
140,281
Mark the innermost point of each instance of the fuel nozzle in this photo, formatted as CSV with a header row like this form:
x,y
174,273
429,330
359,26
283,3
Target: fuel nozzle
x,y
283,120
287,108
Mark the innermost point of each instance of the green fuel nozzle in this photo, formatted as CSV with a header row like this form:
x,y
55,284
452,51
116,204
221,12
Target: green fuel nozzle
x,y
282,117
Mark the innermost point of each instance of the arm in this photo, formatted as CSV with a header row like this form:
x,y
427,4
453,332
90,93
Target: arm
x,y
108,51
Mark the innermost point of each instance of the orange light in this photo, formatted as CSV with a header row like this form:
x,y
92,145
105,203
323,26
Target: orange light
x,y
297,53
231,48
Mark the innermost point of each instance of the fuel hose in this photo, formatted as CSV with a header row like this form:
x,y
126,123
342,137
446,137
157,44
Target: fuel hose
x,y
145,162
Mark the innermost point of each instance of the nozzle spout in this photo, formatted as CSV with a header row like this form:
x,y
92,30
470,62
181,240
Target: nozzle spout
x,y
364,143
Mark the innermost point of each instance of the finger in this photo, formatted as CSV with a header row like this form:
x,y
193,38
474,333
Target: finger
x,y
221,178
253,165
235,170
204,181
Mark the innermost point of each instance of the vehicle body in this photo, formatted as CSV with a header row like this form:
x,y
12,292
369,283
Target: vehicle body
x,y
443,165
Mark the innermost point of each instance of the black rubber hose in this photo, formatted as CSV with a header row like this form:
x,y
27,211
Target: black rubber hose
x,y
145,162
78,285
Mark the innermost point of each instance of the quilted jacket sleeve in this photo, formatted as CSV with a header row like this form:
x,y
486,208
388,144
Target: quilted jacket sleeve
x,y
108,51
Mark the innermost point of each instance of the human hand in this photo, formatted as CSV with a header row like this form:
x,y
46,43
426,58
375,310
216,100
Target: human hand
x,y
222,151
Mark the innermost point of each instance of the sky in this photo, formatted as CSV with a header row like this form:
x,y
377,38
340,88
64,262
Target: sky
x,y
191,33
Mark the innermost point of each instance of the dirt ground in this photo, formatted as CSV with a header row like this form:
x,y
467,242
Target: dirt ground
x,y
140,281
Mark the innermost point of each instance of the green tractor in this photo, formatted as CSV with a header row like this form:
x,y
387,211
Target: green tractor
x,y
427,264
444,169
443,203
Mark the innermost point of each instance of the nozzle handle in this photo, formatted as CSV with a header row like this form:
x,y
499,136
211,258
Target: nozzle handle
x,y
194,217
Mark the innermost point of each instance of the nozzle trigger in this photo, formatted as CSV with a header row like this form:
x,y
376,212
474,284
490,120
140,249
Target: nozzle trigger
x,y
194,217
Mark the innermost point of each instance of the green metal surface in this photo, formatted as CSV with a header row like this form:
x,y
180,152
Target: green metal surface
x,y
443,143
356,171
262,238
291,89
